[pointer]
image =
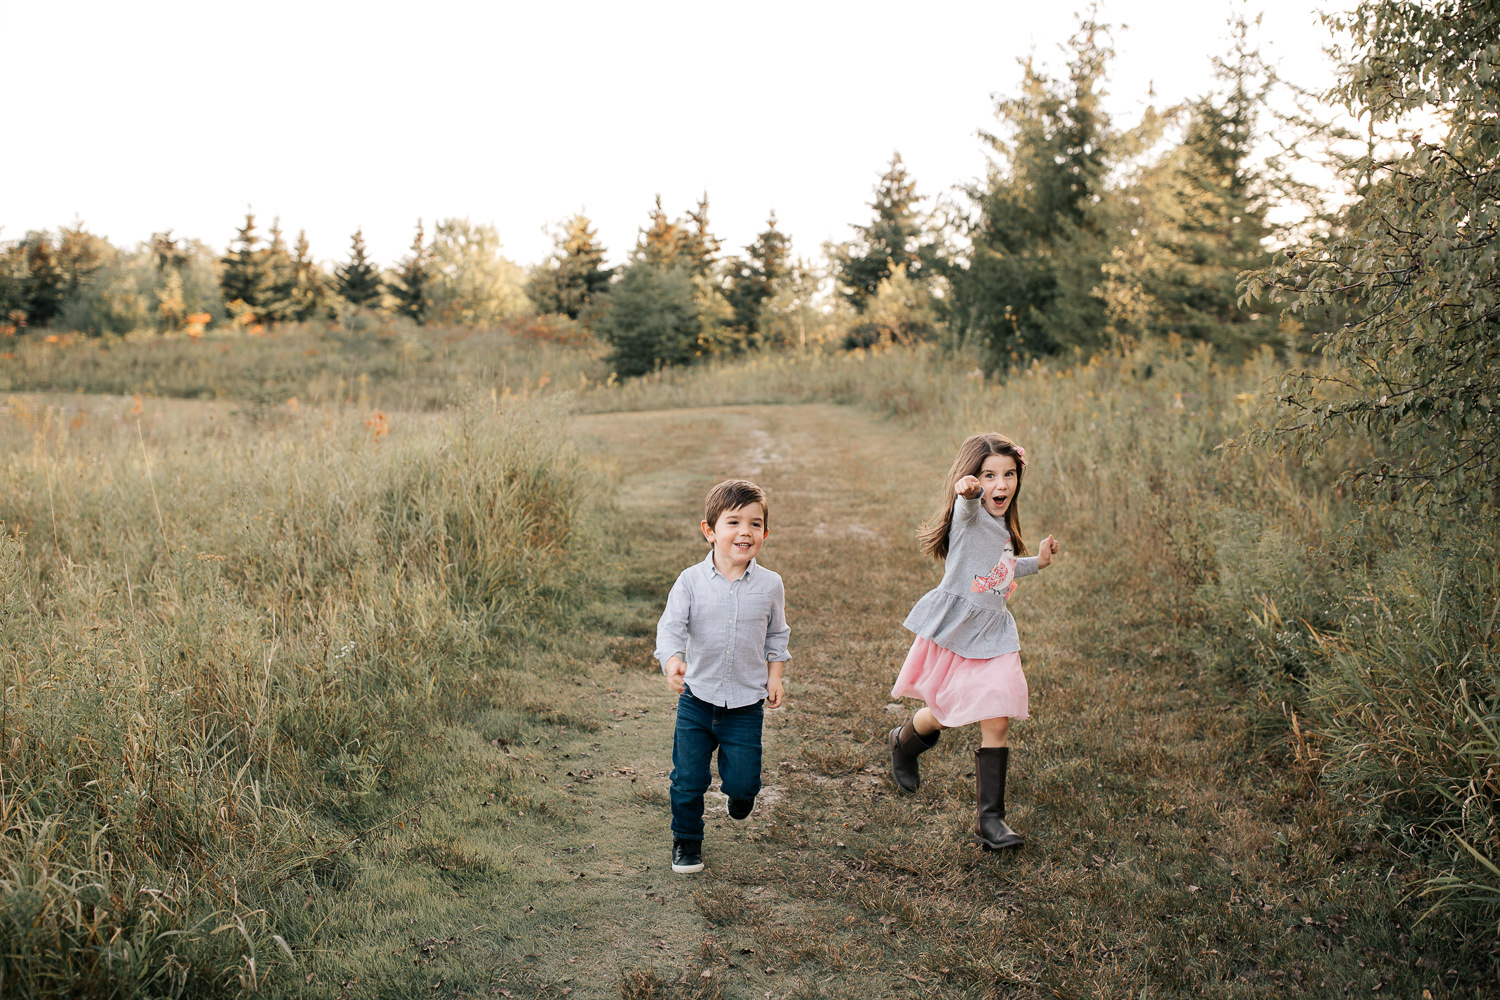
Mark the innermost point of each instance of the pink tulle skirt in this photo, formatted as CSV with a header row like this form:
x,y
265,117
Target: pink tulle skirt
x,y
960,690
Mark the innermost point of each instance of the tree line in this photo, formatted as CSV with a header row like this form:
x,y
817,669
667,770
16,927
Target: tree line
x,y
1082,235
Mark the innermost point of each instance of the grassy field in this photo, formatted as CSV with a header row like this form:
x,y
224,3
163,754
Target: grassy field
x,y
349,700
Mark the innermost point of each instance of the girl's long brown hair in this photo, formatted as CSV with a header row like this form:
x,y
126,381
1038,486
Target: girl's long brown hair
x,y
971,456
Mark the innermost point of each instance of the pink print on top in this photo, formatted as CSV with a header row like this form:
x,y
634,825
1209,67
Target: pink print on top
x,y
1003,575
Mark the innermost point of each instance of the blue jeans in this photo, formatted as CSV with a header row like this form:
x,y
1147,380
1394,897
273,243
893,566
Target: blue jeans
x,y
701,729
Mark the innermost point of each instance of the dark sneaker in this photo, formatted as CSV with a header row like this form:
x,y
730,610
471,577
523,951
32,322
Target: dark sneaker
x,y
687,856
740,808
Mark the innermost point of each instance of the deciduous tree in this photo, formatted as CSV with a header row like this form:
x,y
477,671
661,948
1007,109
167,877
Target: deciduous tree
x,y
472,282
1417,366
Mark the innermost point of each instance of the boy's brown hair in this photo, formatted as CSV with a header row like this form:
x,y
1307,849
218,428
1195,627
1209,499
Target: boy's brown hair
x,y
732,494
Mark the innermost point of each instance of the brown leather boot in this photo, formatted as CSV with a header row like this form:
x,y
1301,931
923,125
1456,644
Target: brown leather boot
x,y
990,829
906,746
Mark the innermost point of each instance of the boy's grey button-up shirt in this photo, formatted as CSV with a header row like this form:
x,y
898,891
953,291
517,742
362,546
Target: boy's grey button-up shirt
x,y
725,630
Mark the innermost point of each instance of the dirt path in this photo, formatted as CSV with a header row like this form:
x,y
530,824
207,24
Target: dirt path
x,y
608,884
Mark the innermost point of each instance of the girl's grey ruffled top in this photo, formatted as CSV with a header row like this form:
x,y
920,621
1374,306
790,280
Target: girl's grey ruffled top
x,y
966,613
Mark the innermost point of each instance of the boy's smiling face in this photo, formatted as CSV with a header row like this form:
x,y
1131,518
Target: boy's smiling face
x,y
736,537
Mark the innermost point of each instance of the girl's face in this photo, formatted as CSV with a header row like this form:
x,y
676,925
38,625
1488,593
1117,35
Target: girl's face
x,y
998,480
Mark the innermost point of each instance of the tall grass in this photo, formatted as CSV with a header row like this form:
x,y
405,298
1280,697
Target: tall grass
x,y
380,361
221,635
220,642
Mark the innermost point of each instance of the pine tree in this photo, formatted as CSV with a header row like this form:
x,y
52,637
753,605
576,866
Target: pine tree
x,y
410,286
688,246
898,236
700,248
45,284
1199,223
680,242
281,279
310,293
358,281
1041,231
169,253
753,281
653,319
574,276
246,278
662,243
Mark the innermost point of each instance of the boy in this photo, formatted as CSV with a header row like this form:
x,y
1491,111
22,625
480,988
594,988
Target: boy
x,y
722,643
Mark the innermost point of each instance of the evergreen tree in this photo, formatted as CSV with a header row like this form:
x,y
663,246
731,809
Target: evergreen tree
x,y
754,280
1200,223
281,279
170,261
14,302
680,242
410,286
1041,230
898,237
700,248
358,281
246,278
661,243
653,319
310,293
688,246
45,284
170,256
574,276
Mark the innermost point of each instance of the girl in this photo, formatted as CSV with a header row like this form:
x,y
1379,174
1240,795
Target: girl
x,y
964,662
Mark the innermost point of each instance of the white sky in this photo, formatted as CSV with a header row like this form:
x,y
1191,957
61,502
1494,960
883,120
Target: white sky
x,y
141,116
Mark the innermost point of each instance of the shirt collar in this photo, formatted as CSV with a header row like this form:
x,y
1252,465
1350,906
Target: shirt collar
x,y
713,570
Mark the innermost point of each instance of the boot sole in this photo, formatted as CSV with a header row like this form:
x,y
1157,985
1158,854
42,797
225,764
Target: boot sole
x,y
1002,846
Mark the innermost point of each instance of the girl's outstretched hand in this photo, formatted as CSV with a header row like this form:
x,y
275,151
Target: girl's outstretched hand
x,y
1048,548
967,487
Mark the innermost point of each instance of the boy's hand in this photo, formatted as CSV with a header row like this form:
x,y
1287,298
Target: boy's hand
x,y
967,487
676,672
775,693
1045,551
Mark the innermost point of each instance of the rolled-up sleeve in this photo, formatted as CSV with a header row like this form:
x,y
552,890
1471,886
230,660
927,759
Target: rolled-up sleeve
x,y
777,630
